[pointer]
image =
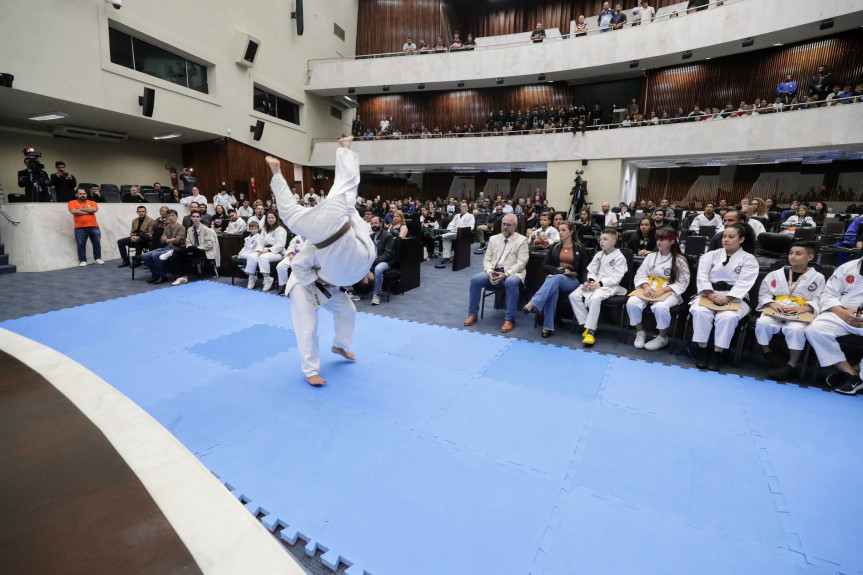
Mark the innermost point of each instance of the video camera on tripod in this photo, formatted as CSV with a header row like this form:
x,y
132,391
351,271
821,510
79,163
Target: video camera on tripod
x,y
578,193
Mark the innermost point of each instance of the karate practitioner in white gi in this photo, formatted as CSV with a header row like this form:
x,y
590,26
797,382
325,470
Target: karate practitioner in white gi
x,y
724,275
339,253
604,274
795,289
841,302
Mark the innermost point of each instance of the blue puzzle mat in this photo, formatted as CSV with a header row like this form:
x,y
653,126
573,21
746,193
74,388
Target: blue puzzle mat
x,y
445,451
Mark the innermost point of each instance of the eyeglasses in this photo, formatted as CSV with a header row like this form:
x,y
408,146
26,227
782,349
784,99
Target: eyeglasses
x,y
506,225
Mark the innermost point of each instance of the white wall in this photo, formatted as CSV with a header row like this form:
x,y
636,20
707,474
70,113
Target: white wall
x,y
604,179
713,32
61,50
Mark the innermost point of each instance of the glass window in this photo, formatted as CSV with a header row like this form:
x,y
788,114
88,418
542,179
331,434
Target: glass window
x,y
121,48
272,105
142,56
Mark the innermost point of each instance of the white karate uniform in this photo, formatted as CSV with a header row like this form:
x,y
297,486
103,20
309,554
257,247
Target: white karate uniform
x,y
608,269
245,212
657,266
550,233
459,221
306,299
236,228
702,220
274,243
250,245
347,260
844,288
741,271
224,200
796,221
297,243
773,288
756,226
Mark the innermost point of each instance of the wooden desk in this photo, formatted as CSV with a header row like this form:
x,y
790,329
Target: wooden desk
x,y
461,248
411,257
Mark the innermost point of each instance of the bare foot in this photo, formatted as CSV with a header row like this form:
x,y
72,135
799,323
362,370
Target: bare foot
x,y
275,164
346,141
344,353
316,380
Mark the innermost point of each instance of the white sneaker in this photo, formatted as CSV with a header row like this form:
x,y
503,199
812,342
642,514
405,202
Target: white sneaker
x,y
268,283
376,299
181,280
166,255
640,338
82,265
99,261
656,343
253,281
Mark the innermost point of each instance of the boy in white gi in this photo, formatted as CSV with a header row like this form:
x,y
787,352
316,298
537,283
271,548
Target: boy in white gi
x,y
604,274
724,276
663,271
339,253
250,243
841,302
794,289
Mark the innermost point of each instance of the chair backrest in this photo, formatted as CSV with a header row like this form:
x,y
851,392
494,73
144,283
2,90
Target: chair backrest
x,y
753,291
125,188
629,225
695,245
146,189
806,234
627,235
629,276
707,231
599,219
833,226
414,225
773,245
110,193
773,217
152,197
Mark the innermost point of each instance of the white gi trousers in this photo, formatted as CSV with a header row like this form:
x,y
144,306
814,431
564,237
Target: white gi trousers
x,y
255,260
282,270
347,260
768,326
661,309
446,244
703,320
586,305
822,334
305,301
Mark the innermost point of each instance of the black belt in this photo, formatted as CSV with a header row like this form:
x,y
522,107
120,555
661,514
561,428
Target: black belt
x,y
722,286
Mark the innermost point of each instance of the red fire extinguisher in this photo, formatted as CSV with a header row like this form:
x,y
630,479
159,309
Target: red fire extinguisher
x,y
536,198
254,191
173,172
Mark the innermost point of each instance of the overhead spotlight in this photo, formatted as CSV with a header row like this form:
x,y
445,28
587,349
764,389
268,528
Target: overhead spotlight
x,y
386,88
500,80
6,80
687,55
460,84
826,24
747,42
633,64
541,78
421,86
351,90
778,44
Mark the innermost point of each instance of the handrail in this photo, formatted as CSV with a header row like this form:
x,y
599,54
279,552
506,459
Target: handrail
x,y
563,36
8,219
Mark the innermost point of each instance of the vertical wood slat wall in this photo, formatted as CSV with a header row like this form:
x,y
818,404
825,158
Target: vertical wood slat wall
x,y
434,185
747,76
234,163
443,109
382,27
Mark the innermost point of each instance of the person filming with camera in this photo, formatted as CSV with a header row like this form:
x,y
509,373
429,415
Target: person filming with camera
x,y
34,179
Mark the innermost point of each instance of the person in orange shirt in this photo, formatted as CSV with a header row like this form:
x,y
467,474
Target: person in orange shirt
x,y
86,226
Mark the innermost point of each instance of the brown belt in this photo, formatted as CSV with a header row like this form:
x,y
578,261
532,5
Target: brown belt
x,y
332,239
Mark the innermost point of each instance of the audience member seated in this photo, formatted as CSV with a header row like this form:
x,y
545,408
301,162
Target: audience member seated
x,y
663,278
422,46
135,196
611,220
840,303
470,43
697,5
271,248
756,226
486,228
139,236
384,244
173,237
439,45
196,197
604,275
545,234
95,194
730,217
456,43
538,34
793,289
398,229
220,219
259,216
237,225
659,219
504,267
250,242
643,240
409,48
725,277
586,226
800,219
566,266
200,242
464,219
175,196
708,218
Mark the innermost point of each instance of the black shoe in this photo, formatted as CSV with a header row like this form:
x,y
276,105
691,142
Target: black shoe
x,y
124,264
160,280
716,360
775,359
136,264
846,383
701,354
781,373
152,280
547,332
528,311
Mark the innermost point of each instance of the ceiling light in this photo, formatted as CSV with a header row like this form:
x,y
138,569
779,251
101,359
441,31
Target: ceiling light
x,y
167,136
460,84
500,80
748,42
351,90
633,64
778,44
386,88
49,116
541,77
687,55
421,86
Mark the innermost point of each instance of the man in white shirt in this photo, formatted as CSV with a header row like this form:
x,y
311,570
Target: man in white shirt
x,y
643,14
245,211
237,227
756,226
409,46
610,217
462,220
196,196
507,207
311,194
708,218
258,217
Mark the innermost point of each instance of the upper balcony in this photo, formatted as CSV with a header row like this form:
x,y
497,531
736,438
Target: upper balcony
x,y
719,31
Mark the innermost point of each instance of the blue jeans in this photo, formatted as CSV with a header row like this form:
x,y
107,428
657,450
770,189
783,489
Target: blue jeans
x,y
379,277
546,297
95,235
511,284
153,263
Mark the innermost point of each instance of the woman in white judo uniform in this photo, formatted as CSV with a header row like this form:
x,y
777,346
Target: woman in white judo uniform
x,y
724,276
339,253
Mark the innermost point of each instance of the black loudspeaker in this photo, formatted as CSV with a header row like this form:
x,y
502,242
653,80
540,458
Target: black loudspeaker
x,y
249,52
148,100
584,162
298,16
257,130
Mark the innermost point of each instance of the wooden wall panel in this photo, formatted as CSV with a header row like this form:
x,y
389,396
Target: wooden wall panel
x,y
745,77
382,27
234,163
443,109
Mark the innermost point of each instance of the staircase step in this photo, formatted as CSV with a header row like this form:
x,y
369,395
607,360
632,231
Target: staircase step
x,y
4,259
2,249
7,269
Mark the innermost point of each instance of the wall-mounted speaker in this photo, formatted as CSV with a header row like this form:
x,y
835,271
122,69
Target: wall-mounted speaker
x,y
148,101
257,130
298,16
584,162
747,42
250,51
